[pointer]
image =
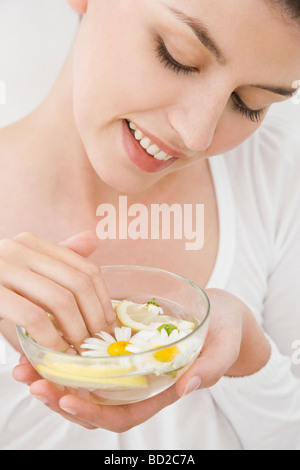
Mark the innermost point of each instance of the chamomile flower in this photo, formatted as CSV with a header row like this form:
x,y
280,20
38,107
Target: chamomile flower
x,y
165,361
147,340
153,307
108,345
181,326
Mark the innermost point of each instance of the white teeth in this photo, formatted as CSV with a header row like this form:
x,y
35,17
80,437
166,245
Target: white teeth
x,y
162,156
153,150
138,135
132,126
146,143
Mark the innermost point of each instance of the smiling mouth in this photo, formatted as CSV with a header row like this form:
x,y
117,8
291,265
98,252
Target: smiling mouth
x,y
151,148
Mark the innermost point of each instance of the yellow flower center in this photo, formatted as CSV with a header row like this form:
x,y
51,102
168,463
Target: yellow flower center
x,y
166,355
118,348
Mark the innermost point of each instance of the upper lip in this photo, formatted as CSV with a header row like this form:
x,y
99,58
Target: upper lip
x,y
162,145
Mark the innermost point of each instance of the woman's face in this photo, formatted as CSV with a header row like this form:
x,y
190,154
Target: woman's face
x,y
194,78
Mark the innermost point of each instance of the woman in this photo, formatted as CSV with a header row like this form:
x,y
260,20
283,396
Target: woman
x,y
150,93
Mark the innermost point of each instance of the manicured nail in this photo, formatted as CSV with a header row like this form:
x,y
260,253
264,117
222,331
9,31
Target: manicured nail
x,y
20,379
71,351
69,411
192,385
40,398
23,360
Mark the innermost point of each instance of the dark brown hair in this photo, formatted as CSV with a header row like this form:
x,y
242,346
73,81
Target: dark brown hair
x,y
290,7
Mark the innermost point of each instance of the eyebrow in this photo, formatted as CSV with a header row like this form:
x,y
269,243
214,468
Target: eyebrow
x,y
200,32
204,37
289,92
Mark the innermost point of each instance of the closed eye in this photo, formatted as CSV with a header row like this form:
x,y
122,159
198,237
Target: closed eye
x,y
168,60
252,114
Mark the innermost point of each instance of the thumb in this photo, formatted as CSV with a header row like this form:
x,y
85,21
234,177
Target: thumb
x,y
222,345
84,243
212,364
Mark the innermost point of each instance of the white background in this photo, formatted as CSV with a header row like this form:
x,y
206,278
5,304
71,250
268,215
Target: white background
x,y
35,37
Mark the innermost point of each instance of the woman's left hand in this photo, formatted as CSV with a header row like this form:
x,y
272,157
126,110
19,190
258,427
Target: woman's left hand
x,y
235,346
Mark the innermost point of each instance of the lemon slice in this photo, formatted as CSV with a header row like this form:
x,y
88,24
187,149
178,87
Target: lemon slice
x,y
90,377
138,317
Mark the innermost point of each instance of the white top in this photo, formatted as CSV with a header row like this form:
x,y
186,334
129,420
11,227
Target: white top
x,y
258,261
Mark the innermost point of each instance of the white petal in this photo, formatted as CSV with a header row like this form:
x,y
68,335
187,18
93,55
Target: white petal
x,y
96,347
93,354
123,334
106,337
93,341
143,336
133,348
174,336
154,309
164,335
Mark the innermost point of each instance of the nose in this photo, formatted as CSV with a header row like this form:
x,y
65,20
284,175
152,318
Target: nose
x,y
195,119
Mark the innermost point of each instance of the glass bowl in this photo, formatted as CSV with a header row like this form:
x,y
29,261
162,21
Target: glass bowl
x,y
129,378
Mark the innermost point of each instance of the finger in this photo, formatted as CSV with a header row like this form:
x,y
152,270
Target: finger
x,y
81,245
119,418
216,358
26,374
49,296
50,394
34,319
65,255
75,281
222,345
23,359
84,244
61,273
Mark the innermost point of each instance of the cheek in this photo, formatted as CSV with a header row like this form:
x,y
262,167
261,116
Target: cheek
x,y
231,131
113,79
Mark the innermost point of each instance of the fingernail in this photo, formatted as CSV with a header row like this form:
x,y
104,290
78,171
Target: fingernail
x,y
22,381
23,360
192,385
40,398
71,351
69,411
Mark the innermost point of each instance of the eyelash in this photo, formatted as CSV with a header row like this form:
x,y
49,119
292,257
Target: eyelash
x,y
253,115
170,63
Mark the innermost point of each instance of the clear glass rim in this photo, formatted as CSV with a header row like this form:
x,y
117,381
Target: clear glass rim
x,y
94,360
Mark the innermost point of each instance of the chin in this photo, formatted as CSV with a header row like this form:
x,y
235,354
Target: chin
x,y
123,183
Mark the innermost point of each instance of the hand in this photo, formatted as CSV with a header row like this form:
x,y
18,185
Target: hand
x,y
38,277
235,346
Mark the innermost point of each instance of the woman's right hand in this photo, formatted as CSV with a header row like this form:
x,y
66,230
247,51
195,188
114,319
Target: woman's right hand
x,y
38,277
